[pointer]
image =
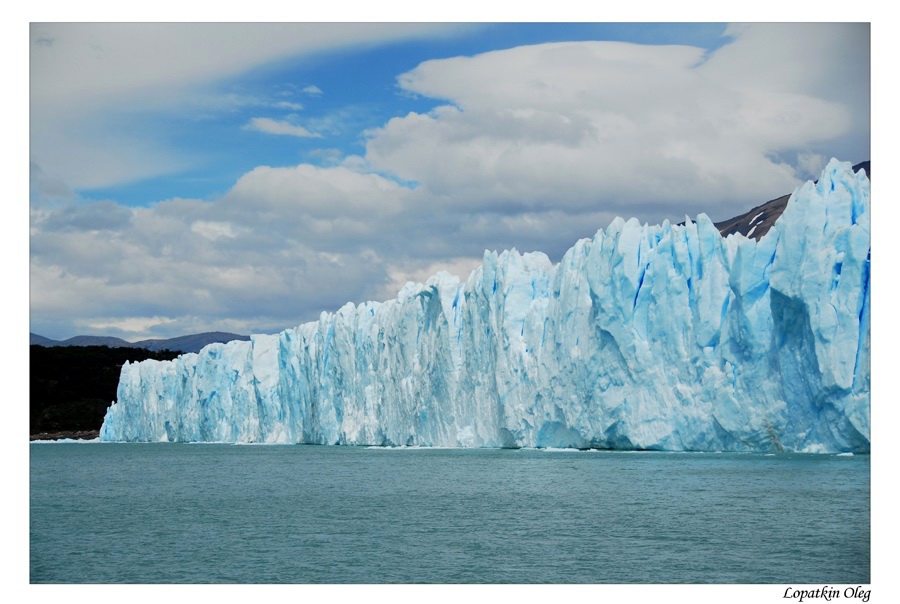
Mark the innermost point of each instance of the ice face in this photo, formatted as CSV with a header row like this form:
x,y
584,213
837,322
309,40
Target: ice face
x,y
650,337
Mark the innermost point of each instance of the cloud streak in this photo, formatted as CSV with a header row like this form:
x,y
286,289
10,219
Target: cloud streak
x,y
280,127
91,84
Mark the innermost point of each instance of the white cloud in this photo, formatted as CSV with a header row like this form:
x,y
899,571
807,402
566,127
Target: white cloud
x,y
418,271
531,148
270,126
71,155
288,105
129,325
613,125
280,247
100,64
312,90
811,164
91,83
214,230
312,192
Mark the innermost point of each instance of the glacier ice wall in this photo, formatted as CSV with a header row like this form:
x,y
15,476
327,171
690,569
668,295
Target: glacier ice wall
x,y
643,337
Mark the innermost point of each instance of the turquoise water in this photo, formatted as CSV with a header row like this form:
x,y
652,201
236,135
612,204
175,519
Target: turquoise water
x,y
174,513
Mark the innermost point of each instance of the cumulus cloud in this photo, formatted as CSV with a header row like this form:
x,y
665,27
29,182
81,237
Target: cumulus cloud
x,y
283,127
312,90
414,271
531,147
192,265
608,124
281,246
305,191
214,230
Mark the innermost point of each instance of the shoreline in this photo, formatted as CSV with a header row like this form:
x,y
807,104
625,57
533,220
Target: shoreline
x,y
66,434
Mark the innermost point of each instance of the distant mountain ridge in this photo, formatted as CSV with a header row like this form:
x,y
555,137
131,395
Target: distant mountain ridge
x,y
188,343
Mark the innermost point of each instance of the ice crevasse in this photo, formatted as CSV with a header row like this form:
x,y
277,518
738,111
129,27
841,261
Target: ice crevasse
x,y
665,337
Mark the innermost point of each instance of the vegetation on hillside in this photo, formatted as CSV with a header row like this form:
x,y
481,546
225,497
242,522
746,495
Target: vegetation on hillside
x,y
72,386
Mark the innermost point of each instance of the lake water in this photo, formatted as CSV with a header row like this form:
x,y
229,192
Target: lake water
x,y
176,513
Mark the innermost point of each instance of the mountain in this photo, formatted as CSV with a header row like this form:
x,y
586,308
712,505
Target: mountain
x,y
666,337
760,219
190,343
83,341
37,340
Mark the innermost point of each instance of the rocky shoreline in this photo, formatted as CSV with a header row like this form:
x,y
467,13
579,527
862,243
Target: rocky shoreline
x,y
74,435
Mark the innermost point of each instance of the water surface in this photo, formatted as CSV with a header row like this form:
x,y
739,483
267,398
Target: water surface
x,y
174,513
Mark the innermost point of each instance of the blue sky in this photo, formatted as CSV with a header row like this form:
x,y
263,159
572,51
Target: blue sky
x,y
236,177
351,90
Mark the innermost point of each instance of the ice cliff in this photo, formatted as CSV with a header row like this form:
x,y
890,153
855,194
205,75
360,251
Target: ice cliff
x,y
644,337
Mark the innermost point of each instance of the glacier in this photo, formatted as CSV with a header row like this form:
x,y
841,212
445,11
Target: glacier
x,y
666,337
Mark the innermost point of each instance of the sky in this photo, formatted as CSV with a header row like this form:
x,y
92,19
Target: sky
x,y
189,177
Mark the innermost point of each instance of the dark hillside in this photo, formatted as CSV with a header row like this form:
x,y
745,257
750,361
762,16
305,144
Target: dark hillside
x,y
190,343
72,386
760,219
